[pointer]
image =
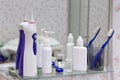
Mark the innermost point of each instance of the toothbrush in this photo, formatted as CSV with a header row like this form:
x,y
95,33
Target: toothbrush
x,y
98,55
96,33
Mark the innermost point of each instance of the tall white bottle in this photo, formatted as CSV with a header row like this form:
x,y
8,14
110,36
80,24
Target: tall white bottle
x,y
40,50
80,56
69,51
47,57
20,49
30,59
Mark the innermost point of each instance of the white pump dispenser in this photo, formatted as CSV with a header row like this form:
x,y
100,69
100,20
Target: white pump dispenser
x,y
29,60
80,56
47,56
40,49
69,52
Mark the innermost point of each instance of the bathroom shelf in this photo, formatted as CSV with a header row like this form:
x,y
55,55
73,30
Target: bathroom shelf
x,y
4,70
53,75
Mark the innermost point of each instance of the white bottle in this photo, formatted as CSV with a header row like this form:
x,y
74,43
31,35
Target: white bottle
x,y
21,47
80,56
70,46
47,57
40,50
30,59
69,51
21,42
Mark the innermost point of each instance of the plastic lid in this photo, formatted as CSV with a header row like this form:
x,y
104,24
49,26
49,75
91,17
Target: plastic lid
x,y
80,41
70,38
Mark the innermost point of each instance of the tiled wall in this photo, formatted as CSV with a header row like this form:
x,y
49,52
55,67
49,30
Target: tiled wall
x,y
49,14
98,17
116,40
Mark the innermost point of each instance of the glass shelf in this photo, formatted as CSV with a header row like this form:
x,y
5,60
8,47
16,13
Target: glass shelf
x,y
64,74
4,68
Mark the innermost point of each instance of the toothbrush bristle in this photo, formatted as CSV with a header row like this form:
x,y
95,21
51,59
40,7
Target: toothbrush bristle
x,y
110,33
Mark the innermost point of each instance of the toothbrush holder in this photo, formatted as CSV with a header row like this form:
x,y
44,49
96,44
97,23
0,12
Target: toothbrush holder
x,y
92,51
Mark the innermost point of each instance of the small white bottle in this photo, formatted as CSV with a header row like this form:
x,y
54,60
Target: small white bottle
x,y
80,56
70,45
29,58
68,60
47,57
40,50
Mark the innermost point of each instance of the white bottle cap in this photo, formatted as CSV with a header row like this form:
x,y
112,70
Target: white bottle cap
x,y
80,41
25,20
70,38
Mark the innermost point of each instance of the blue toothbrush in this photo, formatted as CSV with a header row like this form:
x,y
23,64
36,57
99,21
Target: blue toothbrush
x,y
98,55
91,41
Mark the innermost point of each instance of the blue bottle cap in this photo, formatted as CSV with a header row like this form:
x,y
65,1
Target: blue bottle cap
x,y
59,70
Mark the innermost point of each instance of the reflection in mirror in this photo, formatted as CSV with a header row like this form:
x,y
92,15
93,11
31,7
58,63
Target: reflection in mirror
x,y
79,18
54,19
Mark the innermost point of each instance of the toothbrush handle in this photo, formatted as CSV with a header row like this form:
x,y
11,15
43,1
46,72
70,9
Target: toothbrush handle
x,y
89,44
105,44
91,41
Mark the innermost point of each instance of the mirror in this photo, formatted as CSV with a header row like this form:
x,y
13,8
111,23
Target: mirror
x,y
79,17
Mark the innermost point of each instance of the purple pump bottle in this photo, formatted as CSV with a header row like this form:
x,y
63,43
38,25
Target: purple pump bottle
x,y
20,49
21,46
